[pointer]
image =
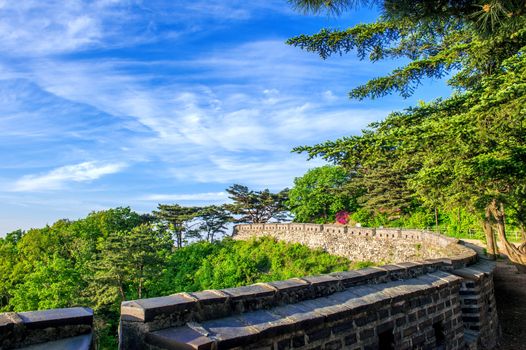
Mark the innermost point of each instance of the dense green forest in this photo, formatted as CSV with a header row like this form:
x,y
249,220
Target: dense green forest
x,y
118,254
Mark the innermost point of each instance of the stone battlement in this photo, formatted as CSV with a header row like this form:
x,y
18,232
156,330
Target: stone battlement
x,y
441,302
359,243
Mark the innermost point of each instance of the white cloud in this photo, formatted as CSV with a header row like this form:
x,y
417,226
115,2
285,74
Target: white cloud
x,y
329,96
207,196
36,28
56,178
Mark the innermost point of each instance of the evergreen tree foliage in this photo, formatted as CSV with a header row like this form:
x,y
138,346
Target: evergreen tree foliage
x,y
176,219
256,206
464,151
214,220
319,194
467,38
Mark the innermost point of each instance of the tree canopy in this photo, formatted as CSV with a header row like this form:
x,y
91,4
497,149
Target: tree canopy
x,y
256,206
468,39
114,255
467,150
318,195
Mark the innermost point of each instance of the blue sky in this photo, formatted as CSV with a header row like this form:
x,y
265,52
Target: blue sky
x,y
127,103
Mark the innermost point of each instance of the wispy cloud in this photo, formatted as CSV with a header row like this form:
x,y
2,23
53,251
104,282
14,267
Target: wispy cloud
x,y
36,28
201,197
57,178
176,99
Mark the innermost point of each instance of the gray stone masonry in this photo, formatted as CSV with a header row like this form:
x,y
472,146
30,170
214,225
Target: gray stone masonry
x,y
396,306
477,299
418,313
68,328
362,244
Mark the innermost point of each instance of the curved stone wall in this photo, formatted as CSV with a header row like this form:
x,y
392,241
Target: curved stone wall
x,y
444,299
380,245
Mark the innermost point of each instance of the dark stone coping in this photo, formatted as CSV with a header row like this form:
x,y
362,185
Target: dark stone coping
x,y
57,317
81,342
35,327
188,307
46,318
476,272
251,327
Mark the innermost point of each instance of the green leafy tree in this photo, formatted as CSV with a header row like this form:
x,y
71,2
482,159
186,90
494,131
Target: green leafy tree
x,y
213,221
177,219
467,150
256,206
54,283
466,38
126,261
319,194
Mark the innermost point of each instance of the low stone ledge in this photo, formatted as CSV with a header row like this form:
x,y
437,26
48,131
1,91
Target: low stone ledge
x,y
321,319
57,317
179,309
34,327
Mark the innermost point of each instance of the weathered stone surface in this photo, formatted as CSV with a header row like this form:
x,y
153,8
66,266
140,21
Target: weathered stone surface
x,y
58,328
252,291
358,315
81,342
147,309
179,338
56,317
358,243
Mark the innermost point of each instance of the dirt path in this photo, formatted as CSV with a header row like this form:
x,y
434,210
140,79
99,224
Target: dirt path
x,y
510,292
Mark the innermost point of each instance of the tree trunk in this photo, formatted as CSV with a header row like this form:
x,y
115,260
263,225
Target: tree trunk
x,y
490,238
140,282
459,218
121,290
517,255
179,239
436,219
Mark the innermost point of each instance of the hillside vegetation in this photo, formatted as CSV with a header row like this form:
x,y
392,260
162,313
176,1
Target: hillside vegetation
x,y
116,255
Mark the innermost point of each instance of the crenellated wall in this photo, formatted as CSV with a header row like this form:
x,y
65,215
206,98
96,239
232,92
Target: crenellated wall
x,y
444,302
361,244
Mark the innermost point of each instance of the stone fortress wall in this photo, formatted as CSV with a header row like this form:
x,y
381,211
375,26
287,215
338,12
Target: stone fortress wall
x,y
437,295
443,300
361,244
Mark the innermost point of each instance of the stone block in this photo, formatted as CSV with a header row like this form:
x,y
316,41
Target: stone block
x,y
57,318
145,310
179,338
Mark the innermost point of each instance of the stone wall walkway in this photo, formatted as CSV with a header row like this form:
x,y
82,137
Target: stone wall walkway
x,y
510,292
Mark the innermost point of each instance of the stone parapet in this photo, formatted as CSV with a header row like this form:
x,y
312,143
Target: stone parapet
x,y
365,244
336,310
71,326
417,313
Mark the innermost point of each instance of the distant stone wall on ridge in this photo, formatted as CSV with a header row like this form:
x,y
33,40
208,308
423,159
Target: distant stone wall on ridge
x,y
378,245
